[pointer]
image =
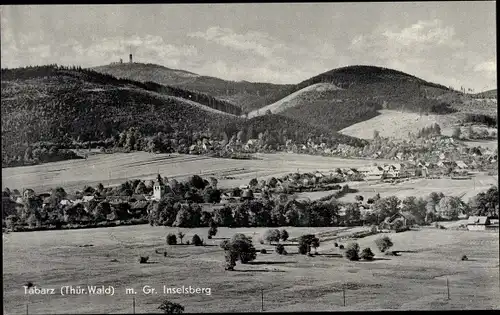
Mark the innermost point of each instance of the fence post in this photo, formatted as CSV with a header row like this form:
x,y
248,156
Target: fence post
x,y
262,299
133,304
343,293
448,288
27,309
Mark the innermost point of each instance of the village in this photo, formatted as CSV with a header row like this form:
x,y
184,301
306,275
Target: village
x,y
134,201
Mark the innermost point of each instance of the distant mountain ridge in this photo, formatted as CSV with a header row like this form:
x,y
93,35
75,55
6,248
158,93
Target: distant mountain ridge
x,y
246,95
51,107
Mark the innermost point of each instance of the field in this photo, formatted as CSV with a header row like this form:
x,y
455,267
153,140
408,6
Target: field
x,y
396,124
414,280
112,169
293,99
423,187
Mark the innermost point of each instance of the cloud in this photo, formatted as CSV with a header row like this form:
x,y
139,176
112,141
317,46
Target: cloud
x,y
266,72
256,42
32,49
425,33
488,67
428,49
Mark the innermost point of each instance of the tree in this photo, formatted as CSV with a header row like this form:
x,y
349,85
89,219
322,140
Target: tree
x,y
183,217
367,254
450,206
253,182
383,243
239,247
59,193
359,198
171,308
352,214
141,189
196,240
456,133
213,182
306,242
352,251
197,182
241,215
485,203
224,216
272,235
386,207
171,239
181,235
284,235
376,134
211,195
212,231
280,249
101,211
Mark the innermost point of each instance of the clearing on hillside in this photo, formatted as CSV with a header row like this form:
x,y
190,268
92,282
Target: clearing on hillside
x,y
396,124
293,99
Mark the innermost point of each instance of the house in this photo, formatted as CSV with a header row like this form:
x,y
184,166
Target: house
x,y
461,165
88,198
318,175
477,223
138,208
393,170
406,219
446,164
375,173
28,193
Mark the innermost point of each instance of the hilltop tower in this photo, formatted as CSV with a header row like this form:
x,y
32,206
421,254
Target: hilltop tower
x,y
121,60
130,58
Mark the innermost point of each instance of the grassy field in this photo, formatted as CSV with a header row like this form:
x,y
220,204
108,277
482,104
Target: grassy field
x,y
396,124
111,169
415,280
423,187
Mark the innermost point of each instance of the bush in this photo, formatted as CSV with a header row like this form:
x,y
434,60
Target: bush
x,y
239,247
212,231
464,257
336,244
304,249
341,246
352,251
171,239
306,242
280,249
263,251
196,240
272,235
284,235
171,308
143,260
383,243
367,254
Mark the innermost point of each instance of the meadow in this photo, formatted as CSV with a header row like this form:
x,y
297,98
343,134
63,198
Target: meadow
x,y
414,280
113,169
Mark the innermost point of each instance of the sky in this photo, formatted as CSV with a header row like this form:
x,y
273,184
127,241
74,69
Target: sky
x,y
450,43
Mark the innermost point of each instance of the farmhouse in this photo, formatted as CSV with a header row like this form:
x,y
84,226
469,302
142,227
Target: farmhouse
x,y
393,170
477,223
398,220
372,172
461,165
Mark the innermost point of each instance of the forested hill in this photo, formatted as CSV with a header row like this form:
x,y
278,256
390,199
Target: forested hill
x,y
246,95
49,108
101,78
